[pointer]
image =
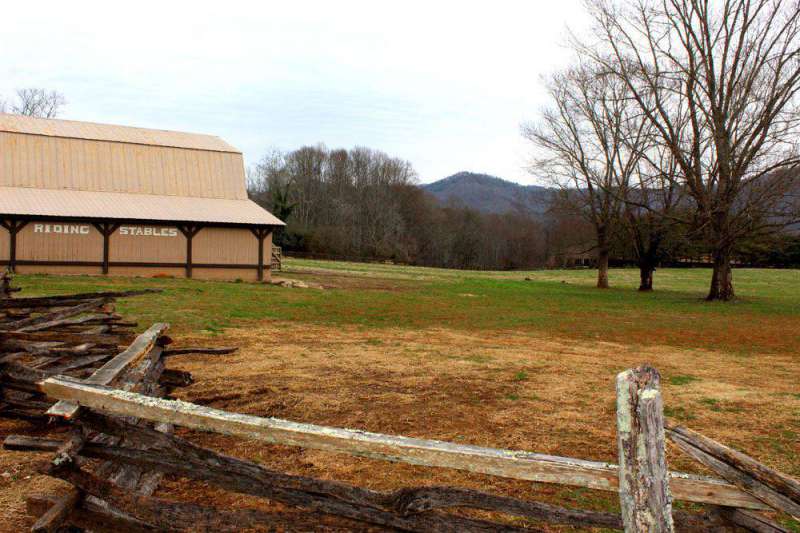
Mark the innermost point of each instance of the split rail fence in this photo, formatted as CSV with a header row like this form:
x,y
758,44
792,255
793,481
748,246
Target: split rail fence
x,y
73,360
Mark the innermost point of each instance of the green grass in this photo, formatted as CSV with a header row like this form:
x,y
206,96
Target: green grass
x,y
681,380
764,319
678,413
791,524
711,403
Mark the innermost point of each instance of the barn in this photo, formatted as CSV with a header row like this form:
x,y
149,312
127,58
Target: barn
x,y
84,198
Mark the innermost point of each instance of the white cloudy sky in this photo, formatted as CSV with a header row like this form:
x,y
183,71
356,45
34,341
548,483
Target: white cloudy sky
x,y
444,84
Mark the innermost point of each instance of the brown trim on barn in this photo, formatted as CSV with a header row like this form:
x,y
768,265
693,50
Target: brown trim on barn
x,y
189,231
133,264
261,234
106,229
13,226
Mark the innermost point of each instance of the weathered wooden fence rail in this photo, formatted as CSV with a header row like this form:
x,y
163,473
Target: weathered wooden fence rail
x,y
504,463
113,403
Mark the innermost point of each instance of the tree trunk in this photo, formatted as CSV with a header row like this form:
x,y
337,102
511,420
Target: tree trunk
x,y
722,277
602,257
602,267
646,276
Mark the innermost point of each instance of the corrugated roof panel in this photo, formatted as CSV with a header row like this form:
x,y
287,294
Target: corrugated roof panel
x,y
126,206
107,132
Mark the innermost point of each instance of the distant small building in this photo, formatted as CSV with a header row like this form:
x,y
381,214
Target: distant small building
x,y
571,257
82,198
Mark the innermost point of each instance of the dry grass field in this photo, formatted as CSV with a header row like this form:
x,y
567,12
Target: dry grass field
x,y
480,358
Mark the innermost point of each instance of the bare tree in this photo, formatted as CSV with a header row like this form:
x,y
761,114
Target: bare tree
x,y
653,214
589,144
38,103
718,81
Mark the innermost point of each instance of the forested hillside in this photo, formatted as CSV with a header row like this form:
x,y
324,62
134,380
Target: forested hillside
x,y
491,194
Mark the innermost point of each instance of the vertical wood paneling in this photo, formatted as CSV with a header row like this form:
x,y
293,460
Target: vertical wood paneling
x,y
6,148
205,172
210,245
217,169
147,248
61,163
79,163
130,173
228,246
4,243
230,274
58,270
147,272
17,163
170,170
118,158
181,173
101,153
33,246
64,161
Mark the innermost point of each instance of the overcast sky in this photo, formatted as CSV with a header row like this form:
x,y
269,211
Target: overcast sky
x,y
443,84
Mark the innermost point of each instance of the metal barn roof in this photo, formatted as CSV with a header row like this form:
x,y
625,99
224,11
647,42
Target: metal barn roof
x,y
24,201
90,131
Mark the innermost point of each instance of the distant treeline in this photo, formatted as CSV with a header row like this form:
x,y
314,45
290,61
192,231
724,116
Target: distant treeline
x,y
362,203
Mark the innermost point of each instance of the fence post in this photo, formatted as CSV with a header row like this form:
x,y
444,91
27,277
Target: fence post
x,y
643,478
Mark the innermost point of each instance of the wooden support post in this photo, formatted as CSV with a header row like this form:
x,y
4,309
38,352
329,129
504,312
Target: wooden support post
x,y
644,491
13,227
261,234
189,231
189,237
106,229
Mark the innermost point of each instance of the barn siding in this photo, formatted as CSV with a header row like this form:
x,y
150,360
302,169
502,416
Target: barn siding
x,y
151,272
59,244
5,242
229,274
58,270
51,242
147,248
89,165
230,246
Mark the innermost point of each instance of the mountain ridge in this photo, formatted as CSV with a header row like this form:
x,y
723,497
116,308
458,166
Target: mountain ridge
x,y
490,194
